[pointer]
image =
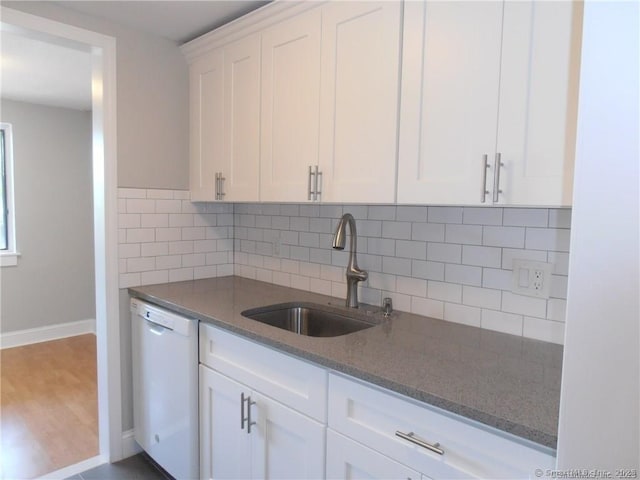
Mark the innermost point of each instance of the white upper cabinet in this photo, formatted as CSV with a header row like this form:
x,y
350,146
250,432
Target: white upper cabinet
x,y
539,101
451,76
359,101
430,102
241,173
330,89
206,124
486,85
290,107
225,123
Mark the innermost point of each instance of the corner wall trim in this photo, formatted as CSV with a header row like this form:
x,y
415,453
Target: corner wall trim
x,y
129,445
44,334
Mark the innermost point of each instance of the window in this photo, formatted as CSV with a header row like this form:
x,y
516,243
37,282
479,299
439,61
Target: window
x,y
8,253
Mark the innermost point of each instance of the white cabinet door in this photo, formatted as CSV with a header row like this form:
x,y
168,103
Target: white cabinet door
x,y
538,101
284,443
493,82
290,107
241,167
451,76
206,124
347,460
359,101
225,449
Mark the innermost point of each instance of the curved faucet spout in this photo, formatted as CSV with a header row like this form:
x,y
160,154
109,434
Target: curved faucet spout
x,y
354,273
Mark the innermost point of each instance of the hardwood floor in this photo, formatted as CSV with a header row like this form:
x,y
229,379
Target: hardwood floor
x,y
48,406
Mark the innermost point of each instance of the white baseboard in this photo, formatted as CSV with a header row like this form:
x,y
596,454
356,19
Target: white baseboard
x,y
129,445
44,334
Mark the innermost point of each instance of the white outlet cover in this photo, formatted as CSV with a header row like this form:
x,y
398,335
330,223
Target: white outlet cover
x,y
524,281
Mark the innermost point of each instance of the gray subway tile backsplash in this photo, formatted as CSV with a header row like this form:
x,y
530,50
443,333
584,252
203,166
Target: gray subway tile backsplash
x,y
452,263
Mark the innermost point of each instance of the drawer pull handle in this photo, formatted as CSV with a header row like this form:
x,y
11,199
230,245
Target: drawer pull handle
x,y
413,438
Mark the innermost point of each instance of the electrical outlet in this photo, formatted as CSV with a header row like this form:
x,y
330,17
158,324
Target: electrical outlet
x,y
531,278
538,280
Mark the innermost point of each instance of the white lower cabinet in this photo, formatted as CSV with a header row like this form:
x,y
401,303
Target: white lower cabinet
x,y
265,414
259,423
437,444
225,449
286,443
244,434
347,459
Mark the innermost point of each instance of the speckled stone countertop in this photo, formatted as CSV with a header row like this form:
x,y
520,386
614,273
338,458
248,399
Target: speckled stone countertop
x,y
508,382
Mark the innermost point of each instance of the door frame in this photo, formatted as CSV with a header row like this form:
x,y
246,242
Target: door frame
x,y
105,205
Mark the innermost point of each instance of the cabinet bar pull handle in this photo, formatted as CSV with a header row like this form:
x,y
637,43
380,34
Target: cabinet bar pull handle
x,y
485,167
242,419
217,194
249,422
413,438
222,179
318,183
311,195
248,417
496,177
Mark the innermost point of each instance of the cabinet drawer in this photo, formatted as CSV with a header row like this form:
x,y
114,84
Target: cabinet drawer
x,y
289,380
347,460
372,416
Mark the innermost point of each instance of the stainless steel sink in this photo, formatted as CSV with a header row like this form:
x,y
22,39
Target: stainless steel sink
x,y
310,319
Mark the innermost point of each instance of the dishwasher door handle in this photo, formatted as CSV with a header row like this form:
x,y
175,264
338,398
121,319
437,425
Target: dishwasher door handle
x,y
155,328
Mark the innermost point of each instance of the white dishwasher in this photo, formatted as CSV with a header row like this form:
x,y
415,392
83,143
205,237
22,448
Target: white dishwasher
x,y
165,387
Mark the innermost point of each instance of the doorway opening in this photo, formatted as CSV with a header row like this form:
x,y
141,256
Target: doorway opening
x,y
102,49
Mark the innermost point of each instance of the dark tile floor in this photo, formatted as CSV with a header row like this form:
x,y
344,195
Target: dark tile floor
x,y
138,467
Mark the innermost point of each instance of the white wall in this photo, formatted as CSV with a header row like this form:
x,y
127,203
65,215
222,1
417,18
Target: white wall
x,y
599,407
53,282
153,100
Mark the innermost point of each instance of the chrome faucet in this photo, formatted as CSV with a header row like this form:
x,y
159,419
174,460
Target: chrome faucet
x,y
354,274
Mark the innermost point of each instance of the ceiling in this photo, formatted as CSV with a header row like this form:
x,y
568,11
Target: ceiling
x,y
39,72
177,20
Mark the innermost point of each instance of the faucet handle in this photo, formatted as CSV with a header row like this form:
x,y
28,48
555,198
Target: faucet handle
x,y
387,306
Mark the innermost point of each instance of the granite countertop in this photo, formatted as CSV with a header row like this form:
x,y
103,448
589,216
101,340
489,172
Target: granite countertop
x,y
508,382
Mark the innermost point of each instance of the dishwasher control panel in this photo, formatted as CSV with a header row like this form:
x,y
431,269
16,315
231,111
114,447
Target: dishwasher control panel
x,y
161,317
157,318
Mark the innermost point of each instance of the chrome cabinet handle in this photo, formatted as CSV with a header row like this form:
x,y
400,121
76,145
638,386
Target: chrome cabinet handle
x,y
413,438
242,416
222,194
242,419
312,183
496,177
249,422
485,167
318,183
